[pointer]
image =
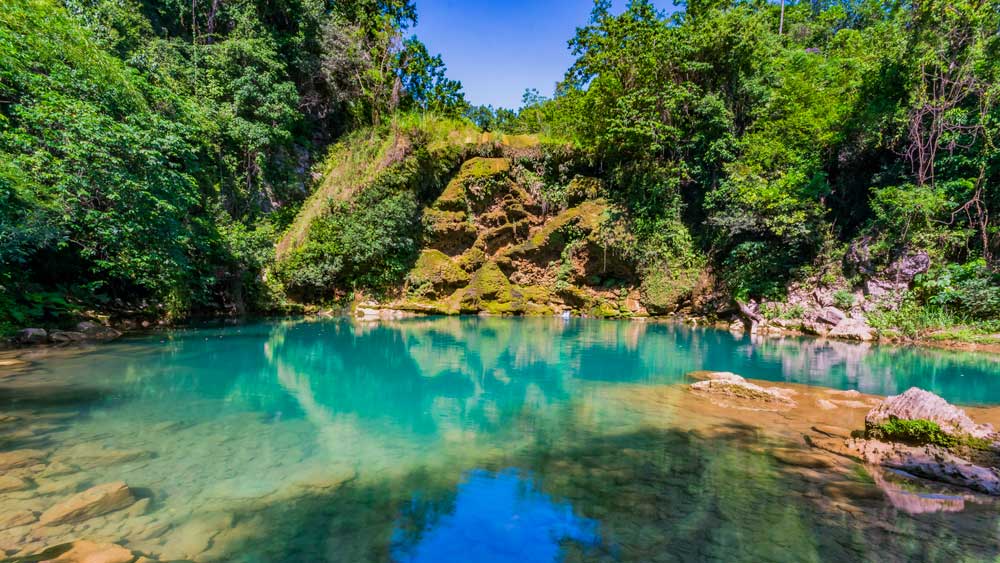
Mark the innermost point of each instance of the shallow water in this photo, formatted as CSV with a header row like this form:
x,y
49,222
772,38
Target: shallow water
x,y
458,439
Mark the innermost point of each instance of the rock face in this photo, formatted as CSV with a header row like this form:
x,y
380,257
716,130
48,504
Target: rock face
x,y
492,245
31,336
90,503
917,404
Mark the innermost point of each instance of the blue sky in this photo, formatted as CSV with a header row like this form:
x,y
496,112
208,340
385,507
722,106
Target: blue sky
x,y
498,48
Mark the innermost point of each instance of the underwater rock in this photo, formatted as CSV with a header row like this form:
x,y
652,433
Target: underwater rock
x,y
916,502
84,551
801,458
21,458
10,483
17,518
96,455
917,404
93,502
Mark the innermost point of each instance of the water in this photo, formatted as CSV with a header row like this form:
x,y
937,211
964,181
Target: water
x,y
462,439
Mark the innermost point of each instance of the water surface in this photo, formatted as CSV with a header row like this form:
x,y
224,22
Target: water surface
x,y
458,439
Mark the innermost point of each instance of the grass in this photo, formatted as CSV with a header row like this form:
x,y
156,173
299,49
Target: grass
x,y
935,323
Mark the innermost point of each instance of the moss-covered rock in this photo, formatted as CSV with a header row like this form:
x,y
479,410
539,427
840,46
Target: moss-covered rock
x,y
488,284
435,274
663,289
450,232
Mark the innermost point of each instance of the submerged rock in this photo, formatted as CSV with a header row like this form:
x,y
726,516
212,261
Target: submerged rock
x,y
917,404
21,458
84,551
11,483
93,502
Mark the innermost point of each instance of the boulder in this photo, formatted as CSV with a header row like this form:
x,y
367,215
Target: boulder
x,y
66,337
815,328
95,501
908,266
831,316
917,404
31,336
853,329
94,331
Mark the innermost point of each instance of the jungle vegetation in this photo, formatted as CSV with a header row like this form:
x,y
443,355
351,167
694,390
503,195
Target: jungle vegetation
x,y
152,152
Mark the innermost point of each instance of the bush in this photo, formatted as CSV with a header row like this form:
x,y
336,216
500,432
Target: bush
x,y
972,289
843,299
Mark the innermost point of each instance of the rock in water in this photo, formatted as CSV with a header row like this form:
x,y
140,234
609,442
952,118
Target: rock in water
x,y
917,404
66,337
95,501
31,336
21,458
732,385
94,331
853,329
83,551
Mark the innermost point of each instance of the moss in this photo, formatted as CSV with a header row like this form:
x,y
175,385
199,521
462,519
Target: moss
x,y
452,198
582,188
919,432
472,259
488,284
587,216
663,288
434,270
481,167
605,310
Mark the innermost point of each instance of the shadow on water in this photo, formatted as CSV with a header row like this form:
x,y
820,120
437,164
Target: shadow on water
x,y
650,495
50,396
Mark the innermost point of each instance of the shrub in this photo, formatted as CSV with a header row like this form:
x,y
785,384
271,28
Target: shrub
x,y
843,299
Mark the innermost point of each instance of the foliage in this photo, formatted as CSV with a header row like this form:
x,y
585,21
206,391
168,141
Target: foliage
x,y
150,152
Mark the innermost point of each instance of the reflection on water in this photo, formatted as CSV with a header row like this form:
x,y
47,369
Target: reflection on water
x,y
478,438
494,518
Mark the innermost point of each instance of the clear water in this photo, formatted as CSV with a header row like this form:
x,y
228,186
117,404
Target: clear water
x,y
460,439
